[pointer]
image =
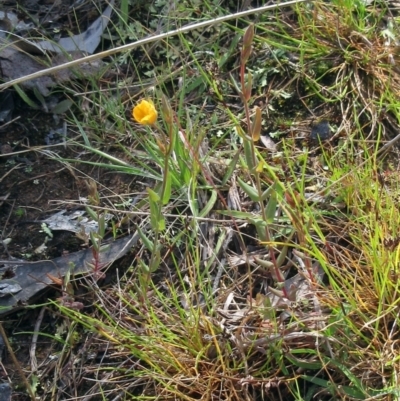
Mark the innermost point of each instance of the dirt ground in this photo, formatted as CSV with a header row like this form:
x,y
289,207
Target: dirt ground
x,y
33,188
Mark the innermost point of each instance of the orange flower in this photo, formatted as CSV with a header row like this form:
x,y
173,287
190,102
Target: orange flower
x,y
145,113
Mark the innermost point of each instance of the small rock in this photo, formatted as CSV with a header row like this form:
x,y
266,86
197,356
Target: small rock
x,y
5,392
321,132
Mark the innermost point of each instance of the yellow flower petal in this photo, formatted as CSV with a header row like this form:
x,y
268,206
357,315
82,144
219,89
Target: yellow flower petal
x,y
145,113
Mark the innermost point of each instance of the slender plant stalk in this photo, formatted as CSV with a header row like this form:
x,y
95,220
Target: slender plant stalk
x,y
246,95
142,42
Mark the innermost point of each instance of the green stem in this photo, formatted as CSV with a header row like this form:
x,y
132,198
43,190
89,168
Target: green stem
x,y
258,182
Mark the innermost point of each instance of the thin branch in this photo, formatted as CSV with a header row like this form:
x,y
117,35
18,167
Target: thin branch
x,y
145,41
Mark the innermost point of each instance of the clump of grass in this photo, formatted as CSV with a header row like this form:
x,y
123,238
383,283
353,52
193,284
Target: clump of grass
x,y
198,314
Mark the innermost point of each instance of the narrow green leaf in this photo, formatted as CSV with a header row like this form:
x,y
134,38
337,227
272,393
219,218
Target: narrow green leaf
x,y
196,83
248,154
303,363
232,48
194,205
161,223
267,193
215,253
209,205
92,214
270,209
83,133
105,248
143,267
231,168
147,242
237,88
172,140
125,11
332,388
154,197
355,380
236,214
264,263
62,106
260,227
102,225
154,208
250,191
155,261
166,196
40,97
186,170
94,240
282,256
316,380
25,98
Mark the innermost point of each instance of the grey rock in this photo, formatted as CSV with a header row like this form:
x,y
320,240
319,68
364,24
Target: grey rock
x,y
5,392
